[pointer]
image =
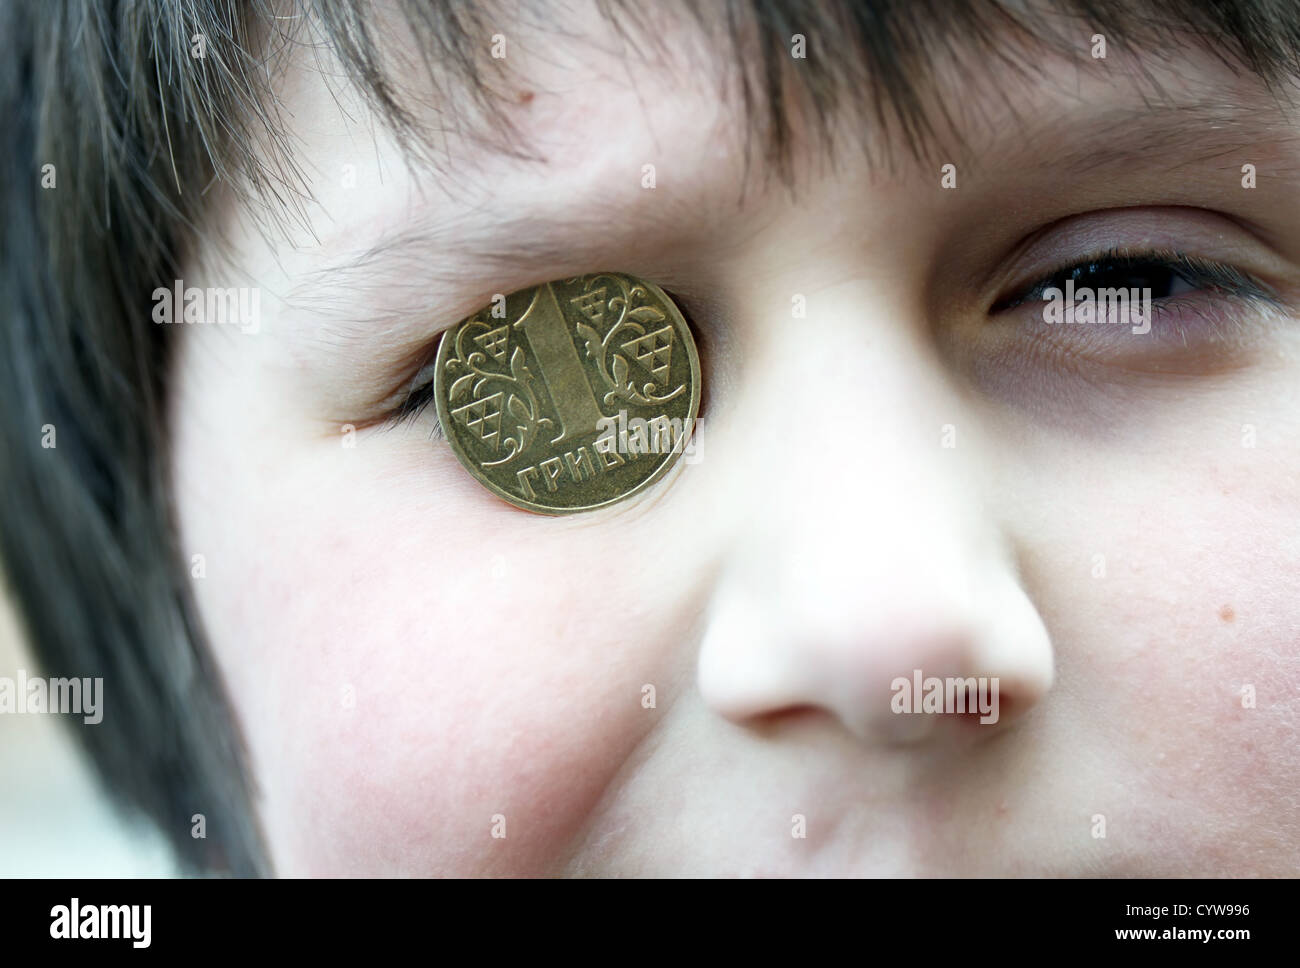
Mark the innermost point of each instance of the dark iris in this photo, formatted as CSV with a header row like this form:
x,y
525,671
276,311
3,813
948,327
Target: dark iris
x,y
1164,273
1123,274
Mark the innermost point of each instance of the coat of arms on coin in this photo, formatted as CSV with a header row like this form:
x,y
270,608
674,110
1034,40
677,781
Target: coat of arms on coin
x,y
579,394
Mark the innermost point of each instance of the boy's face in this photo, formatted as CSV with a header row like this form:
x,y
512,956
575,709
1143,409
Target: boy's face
x,y
912,474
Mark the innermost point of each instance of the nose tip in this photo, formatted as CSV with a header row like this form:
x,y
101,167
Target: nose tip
x,y
892,669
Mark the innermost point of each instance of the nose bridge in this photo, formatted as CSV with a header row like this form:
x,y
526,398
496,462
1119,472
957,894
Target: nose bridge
x,y
853,432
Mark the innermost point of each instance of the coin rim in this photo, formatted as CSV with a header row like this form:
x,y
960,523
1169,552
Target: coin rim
x,y
444,416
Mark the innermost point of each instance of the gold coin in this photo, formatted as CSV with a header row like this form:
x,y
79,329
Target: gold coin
x,y
572,395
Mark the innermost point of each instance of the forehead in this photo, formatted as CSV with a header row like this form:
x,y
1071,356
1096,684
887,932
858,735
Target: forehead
x,y
585,105
575,114
602,144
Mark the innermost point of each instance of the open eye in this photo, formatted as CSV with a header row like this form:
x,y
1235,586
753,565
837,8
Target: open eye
x,y
1166,273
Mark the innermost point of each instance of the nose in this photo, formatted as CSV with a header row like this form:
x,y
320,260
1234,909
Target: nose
x,y
864,565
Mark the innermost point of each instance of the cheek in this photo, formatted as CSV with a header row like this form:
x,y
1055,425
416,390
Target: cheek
x,y
410,665
1184,659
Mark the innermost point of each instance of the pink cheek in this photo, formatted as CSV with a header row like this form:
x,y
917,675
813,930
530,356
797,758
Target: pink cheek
x,y
1155,655
1202,706
411,687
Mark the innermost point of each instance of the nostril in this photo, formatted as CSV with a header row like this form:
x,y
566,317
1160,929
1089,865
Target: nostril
x,y
974,700
789,718
988,707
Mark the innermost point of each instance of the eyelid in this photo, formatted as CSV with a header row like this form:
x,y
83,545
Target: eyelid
x,y
1197,232
1210,273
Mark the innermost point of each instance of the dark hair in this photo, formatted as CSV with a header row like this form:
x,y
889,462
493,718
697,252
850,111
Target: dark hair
x,y
137,129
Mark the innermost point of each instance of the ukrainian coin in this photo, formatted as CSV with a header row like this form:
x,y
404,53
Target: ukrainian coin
x,y
573,395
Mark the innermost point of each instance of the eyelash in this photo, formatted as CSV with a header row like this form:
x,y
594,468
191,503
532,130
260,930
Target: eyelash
x,y
415,403
1202,274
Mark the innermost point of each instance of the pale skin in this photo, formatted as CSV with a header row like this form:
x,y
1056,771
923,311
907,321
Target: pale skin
x,y
410,657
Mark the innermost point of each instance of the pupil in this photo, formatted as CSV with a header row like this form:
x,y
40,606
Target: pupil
x,y
1113,275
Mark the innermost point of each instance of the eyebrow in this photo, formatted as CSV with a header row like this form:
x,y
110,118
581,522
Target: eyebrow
x,y
436,264
472,246
1188,134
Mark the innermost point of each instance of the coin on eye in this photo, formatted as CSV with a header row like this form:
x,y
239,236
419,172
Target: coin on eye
x,y
572,395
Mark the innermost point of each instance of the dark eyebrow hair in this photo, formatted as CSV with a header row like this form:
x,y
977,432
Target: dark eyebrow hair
x,y
1169,134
